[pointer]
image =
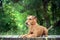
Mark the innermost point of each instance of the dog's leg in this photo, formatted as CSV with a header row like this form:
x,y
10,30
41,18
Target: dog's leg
x,y
23,36
31,36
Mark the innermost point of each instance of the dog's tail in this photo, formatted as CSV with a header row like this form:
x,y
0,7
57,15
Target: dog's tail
x,y
50,27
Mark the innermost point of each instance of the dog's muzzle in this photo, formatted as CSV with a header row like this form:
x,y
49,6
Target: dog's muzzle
x,y
26,23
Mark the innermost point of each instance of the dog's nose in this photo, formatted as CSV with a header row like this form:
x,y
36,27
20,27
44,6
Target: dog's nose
x,y
26,23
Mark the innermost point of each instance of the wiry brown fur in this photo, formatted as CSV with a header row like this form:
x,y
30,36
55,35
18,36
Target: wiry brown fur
x,y
35,30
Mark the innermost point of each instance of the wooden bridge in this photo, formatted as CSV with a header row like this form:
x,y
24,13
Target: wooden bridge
x,y
17,37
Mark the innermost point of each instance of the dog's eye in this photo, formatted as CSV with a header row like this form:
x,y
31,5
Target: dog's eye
x,y
29,19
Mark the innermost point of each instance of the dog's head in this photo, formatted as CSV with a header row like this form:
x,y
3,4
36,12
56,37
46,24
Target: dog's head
x,y
31,20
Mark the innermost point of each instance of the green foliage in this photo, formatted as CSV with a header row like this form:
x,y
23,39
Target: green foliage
x,y
14,12
13,20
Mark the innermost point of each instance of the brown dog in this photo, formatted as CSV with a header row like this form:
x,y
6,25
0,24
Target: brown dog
x,y
35,30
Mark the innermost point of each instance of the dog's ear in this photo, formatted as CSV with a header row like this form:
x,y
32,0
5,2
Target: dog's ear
x,y
35,17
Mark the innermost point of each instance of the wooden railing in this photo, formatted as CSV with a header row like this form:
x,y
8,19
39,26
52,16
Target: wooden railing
x,y
17,37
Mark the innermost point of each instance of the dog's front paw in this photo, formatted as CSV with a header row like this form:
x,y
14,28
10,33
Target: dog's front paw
x,y
24,36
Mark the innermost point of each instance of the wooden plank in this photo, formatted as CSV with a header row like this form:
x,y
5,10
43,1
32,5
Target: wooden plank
x,y
17,37
29,39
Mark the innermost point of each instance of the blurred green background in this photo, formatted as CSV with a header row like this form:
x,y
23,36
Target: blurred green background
x,y
13,15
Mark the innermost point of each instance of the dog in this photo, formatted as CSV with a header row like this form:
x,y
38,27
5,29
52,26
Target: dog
x,y
35,30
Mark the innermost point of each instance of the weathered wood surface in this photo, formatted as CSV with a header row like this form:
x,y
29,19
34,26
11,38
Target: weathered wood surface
x,y
17,37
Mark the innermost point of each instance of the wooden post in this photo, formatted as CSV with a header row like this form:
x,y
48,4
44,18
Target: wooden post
x,y
16,37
